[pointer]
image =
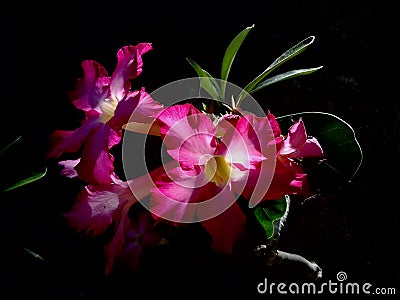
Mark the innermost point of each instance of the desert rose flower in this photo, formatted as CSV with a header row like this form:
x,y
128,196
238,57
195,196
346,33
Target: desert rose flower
x,y
288,177
210,168
138,236
103,207
108,104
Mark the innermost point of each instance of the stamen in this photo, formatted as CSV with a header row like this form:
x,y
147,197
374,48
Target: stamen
x,y
108,107
218,170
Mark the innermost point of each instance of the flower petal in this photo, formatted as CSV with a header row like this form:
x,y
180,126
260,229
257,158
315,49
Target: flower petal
x,y
288,178
296,138
243,144
71,141
94,207
69,167
173,194
180,124
129,66
226,228
311,148
91,88
97,163
115,246
137,106
138,238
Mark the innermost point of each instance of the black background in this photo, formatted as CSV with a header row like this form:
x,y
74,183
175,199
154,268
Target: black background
x,y
43,44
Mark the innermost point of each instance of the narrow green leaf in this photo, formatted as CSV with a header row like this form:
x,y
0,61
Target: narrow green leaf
x,y
284,76
342,152
207,81
287,55
34,254
229,56
269,212
5,148
35,176
231,51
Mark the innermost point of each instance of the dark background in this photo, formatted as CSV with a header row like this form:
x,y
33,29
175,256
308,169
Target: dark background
x,y
354,229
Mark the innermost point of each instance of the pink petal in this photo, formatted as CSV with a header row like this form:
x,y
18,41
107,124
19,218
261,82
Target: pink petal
x,y
71,141
97,163
129,66
226,122
131,257
288,178
180,124
137,106
91,88
311,148
195,150
69,167
226,228
243,143
139,237
173,195
94,208
113,249
274,124
296,138
141,227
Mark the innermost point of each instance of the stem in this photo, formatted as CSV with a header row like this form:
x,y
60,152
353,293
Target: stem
x,y
289,260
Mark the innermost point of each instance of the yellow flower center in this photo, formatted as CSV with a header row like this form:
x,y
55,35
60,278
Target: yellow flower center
x,y
218,170
108,107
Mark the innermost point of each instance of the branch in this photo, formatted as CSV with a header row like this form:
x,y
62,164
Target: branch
x,y
292,262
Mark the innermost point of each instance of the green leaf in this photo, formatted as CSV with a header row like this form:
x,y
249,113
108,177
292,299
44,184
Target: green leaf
x,y
207,81
9,145
26,180
33,254
20,165
231,51
287,55
343,154
269,212
283,76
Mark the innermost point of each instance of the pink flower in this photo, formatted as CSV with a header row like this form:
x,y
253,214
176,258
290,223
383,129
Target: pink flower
x,y
100,207
138,236
288,177
109,105
210,169
96,207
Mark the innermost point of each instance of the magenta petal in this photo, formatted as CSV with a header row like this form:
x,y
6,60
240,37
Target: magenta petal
x,y
137,239
137,106
91,88
288,178
115,247
311,148
243,144
195,150
170,198
274,124
129,66
94,208
97,163
131,257
296,138
69,167
71,141
180,124
226,228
